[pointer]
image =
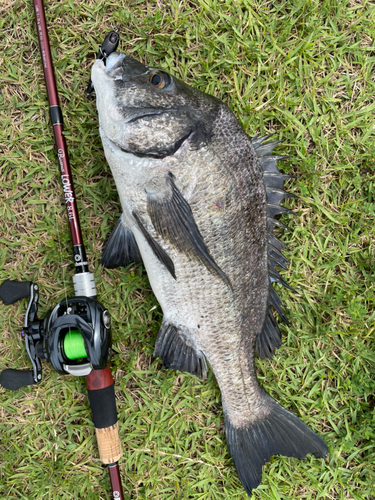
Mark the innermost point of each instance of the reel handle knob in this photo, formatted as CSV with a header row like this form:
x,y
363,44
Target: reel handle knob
x,y
15,379
11,291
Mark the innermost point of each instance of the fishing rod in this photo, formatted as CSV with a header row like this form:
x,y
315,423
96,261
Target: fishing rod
x,y
75,336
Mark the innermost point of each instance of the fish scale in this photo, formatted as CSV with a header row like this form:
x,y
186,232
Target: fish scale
x,y
199,201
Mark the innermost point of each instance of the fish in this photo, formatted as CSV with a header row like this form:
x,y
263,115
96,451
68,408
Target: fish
x,y
199,199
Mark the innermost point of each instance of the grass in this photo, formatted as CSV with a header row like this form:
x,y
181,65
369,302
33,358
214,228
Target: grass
x,y
304,69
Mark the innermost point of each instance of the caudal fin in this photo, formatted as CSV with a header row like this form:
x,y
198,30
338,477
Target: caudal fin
x,y
278,432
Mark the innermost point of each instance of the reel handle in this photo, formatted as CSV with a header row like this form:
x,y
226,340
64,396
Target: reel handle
x,y
15,379
11,291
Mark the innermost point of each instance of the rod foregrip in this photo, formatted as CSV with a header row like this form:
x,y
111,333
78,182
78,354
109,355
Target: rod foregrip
x,y
101,393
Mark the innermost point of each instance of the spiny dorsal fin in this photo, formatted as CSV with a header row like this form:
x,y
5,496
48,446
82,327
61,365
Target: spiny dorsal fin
x,y
269,339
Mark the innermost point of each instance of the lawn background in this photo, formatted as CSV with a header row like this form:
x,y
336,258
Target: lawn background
x,y
302,69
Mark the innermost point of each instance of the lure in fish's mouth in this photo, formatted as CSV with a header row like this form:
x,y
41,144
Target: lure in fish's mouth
x,y
108,46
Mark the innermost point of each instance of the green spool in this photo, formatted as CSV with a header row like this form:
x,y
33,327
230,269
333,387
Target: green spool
x,y
74,346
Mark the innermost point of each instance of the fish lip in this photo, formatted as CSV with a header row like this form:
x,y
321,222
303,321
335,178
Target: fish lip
x,y
113,65
100,66
112,70
114,61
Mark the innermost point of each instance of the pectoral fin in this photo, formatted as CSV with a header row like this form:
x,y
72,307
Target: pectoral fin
x,y
173,220
121,248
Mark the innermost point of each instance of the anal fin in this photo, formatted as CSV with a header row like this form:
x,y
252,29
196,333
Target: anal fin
x,y
121,248
178,352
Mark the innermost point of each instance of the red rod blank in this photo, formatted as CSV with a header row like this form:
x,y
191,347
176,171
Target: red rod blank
x,y
53,99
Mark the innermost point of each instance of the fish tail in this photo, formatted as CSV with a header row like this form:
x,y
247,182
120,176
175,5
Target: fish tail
x,y
278,432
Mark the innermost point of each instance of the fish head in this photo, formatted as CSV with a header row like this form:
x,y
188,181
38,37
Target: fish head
x,y
148,112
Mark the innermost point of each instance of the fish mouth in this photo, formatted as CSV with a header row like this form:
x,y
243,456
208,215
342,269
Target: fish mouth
x,y
111,67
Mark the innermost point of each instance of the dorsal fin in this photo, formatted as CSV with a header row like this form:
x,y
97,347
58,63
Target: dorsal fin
x,y
269,339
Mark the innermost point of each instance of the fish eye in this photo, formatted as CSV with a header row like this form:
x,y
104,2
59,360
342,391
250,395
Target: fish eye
x,y
160,79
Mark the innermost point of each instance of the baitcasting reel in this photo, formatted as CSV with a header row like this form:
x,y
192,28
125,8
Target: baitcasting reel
x,y
75,337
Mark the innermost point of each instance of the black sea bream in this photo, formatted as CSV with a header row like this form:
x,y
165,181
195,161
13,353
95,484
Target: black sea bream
x,y
199,199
